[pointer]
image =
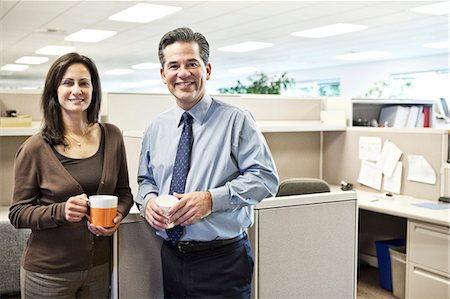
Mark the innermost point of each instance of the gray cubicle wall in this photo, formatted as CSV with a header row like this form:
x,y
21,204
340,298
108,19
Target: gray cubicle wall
x,y
305,246
341,155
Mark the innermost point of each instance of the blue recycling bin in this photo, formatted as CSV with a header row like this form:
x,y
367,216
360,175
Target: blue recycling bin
x,y
384,261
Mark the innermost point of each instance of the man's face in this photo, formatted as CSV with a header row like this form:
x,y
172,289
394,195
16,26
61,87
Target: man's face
x,y
185,73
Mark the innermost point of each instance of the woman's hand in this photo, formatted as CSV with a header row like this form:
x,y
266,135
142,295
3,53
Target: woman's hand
x,y
76,208
105,231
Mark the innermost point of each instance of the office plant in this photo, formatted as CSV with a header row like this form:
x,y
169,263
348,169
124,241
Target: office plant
x,y
260,83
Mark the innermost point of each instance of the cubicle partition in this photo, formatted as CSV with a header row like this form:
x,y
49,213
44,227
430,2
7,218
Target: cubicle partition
x,y
291,126
340,157
304,247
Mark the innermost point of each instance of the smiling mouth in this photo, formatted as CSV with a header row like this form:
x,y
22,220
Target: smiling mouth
x,y
184,84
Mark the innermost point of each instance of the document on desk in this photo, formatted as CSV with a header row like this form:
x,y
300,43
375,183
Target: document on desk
x,y
394,182
432,205
390,155
369,148
370,175
420,170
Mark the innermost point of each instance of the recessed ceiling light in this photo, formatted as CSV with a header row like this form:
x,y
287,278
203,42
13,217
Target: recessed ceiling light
x,y
440,8
55,50
119,72
14,67
32,60
146,66
245,70
437,45
89,35
329,30
246,47
144,13
363,55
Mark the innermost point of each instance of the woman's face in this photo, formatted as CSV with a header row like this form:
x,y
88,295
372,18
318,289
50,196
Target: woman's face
x,y
75,90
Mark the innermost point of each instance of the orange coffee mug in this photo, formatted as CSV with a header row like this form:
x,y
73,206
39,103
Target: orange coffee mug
x,y
103,209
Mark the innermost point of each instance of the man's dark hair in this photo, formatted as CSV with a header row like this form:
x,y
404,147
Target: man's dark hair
x,y
184,34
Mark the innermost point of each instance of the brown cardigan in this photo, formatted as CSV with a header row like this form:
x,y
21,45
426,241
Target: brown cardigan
x,y
41,187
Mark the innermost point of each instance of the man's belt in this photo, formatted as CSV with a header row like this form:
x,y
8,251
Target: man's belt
x,y
195,246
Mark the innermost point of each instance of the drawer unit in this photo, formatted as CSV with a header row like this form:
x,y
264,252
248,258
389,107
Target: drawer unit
x,y
427,284
428,258
429,245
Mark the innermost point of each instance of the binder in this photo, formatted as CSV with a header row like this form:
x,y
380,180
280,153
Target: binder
x,y
413,116
426,116
394,116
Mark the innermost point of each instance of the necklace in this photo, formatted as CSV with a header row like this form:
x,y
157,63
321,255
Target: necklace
x,y
78,142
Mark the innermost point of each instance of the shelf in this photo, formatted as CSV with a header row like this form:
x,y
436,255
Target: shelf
x,y
364,111
21,131
275,127
297,126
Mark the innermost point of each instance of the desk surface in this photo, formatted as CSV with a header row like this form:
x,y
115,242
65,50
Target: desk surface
x,y
402,206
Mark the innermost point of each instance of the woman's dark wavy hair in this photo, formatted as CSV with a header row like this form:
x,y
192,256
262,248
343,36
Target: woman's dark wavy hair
x,y
53,127
184,34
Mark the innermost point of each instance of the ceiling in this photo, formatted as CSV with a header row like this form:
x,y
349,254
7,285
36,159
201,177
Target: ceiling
x,y
26,26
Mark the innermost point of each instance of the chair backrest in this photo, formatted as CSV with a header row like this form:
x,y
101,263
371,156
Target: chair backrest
x,y
298,186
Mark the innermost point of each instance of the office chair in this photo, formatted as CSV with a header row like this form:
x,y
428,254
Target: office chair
x,y
298,186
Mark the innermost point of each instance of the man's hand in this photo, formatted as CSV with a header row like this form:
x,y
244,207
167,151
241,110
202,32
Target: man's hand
x,y
191,207
155,216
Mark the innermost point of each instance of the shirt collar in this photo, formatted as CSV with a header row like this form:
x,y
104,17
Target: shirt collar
x,y
198,112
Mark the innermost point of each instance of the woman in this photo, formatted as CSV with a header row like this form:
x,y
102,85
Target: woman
x,y
56,170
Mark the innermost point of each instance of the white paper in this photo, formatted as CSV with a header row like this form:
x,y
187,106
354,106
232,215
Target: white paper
x,y
394,182
390,154
369,148
420,170
370,175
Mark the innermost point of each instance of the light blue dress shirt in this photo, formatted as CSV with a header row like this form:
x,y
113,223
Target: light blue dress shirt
x,y
229,157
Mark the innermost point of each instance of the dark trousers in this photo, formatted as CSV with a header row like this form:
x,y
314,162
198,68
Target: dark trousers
x,y
224,272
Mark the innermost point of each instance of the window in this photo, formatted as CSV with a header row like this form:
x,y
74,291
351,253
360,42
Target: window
x,y
315,88
430,85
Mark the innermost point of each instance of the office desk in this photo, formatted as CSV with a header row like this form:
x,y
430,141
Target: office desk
x,y
427,242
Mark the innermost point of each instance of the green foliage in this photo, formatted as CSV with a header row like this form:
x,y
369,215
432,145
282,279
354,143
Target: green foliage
x,y
329,90
261,84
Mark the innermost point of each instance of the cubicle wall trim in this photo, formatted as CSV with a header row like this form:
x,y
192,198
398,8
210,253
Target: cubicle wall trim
x,y
286,201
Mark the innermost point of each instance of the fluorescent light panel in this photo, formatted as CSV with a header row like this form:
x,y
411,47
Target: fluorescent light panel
x,y
329,30
146,66
90,35
32,60
246,47
14,67
144,13
437,45
55,50
363,55
441,8
119,72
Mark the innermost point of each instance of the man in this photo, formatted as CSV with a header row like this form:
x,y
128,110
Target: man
x,y
228,169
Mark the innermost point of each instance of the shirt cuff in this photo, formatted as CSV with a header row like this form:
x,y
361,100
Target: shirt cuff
x,y
147,197
220,199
